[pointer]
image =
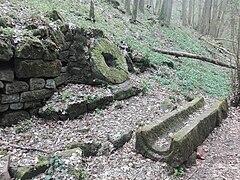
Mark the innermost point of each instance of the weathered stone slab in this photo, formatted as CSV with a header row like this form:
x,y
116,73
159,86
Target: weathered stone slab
x,y
101,103
4,107
35,95
4,165
11,98
16,106
12,117
33,104
37,68
36,83
15,87
187,139
6,74
6,50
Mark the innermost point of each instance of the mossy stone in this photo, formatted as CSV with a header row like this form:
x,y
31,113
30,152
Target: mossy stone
x,y
116,70
30,48
28,172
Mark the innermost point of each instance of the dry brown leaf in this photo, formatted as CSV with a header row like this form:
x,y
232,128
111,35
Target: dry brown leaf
x,y
200,153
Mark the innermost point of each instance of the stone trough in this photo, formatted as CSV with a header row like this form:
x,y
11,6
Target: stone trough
x,y
175,136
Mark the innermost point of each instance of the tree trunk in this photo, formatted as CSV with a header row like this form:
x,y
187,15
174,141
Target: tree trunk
x,y
190,14
206,17
91,14
184,12
166,12
199,15
127,6
135,9
141,5
158,6
213,26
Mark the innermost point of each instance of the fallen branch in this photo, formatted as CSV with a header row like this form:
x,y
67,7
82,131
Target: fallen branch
x,y
192,56
220,48
31,149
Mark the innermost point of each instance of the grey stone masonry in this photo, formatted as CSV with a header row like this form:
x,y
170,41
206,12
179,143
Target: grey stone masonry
x,y
12,98
6,75
36,83
16,106
35,95
15,87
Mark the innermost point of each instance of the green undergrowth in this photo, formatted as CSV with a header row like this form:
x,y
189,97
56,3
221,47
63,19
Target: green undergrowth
x,y
179,74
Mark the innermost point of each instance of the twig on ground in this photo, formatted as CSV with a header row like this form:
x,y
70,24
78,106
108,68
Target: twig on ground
x,y
8,146
192,174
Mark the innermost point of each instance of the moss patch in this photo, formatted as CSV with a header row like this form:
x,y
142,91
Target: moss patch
x,y
115,73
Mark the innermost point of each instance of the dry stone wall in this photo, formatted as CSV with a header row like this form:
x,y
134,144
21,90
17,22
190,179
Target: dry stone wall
x,y
35,64
29,73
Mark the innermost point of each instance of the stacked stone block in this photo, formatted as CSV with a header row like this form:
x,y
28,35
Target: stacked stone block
x,y
30,72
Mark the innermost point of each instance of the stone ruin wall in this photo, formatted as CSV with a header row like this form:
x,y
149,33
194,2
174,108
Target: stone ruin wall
x,y
33,67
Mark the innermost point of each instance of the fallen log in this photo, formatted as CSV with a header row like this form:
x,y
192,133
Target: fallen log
x,y
192,56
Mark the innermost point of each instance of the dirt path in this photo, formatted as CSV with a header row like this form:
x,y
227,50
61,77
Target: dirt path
x,y
222,157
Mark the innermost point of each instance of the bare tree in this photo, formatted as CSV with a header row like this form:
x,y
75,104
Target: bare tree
x,y
190,12
127,6
206,17
91,13
141,5
166,12
135,10
184,12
